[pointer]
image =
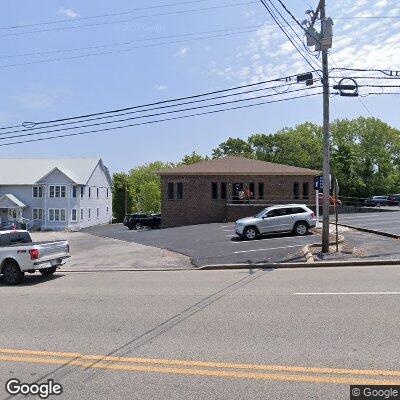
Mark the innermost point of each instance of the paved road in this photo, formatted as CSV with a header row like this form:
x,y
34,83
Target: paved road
x,y
381,221
292,328
211,243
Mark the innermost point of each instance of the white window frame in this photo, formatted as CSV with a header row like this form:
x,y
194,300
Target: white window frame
x,y
39,192
57,191
57,214
74,187
39,212
76,215
82,192
81,214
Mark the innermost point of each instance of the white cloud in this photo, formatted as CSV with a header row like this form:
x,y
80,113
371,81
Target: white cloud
x,y
68,12
34,100
365,43
158,86
183,51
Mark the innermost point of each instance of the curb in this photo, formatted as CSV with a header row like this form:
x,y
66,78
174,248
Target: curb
x,y
84,271
306,250
356,263
373,231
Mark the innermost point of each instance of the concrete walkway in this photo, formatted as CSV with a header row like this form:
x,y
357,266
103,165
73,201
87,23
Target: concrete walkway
x,y
90,252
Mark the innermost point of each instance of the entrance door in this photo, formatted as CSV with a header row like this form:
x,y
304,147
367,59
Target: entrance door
x,y
236,189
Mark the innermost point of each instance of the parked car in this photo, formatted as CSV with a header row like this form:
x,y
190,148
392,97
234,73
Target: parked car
x,y
377,201
394,200
137,221
10,226
18,254
296,218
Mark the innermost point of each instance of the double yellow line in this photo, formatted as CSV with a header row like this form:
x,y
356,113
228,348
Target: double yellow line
x,y
205,369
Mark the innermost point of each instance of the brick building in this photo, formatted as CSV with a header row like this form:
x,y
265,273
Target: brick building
x,y
225,189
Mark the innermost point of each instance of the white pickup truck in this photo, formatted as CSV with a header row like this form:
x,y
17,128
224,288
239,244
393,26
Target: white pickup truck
x,y
18,254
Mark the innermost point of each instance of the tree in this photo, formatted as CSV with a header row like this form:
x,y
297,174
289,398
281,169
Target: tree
x,y
120,183
193,158
233,147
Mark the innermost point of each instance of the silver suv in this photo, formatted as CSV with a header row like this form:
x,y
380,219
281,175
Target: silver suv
x,y
296,218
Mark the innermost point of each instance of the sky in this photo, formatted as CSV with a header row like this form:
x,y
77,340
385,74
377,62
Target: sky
x,y
72,82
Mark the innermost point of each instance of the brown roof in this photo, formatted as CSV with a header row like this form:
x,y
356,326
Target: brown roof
x,y
237,166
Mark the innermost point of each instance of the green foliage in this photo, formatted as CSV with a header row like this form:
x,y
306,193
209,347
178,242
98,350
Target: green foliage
x,y
233,147
120,182
193,158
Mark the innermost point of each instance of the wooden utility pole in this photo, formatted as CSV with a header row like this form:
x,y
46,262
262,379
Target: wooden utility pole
x,y
326,137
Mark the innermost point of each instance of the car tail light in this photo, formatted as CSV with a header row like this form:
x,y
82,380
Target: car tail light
x,y
34,254
313,216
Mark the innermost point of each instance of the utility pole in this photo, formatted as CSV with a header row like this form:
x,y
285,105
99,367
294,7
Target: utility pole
x,y
322,42
126,195
326,136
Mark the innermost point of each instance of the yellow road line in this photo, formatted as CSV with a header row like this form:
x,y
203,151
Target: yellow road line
x,y
201,372
205,364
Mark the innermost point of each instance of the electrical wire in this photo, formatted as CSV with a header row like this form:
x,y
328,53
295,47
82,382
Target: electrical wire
x,y
157,121
151,115
127,20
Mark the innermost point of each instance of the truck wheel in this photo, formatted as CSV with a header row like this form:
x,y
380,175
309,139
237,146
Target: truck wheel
x,y
12,274
48,271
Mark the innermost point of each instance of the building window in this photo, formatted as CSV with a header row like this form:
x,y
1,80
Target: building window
x,y
74,215
82,191
223,190
97,212
37,191
261,190
107,209
214,190
90,192
296,191
37,214
74,191
306,190
58,191
89,212
81,214
107,193
179,190
251,190
97,192
170,190
57,214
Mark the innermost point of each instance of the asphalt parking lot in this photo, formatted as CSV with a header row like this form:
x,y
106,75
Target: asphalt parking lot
x,y
388,222
211,243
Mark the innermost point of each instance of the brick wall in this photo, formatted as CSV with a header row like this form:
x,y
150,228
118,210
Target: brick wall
x,y
198,207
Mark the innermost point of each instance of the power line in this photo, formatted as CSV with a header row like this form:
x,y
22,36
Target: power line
x,y
152,115
127,20
124,50
287,35
114,115
157,121
39,53
371,17
286,79
101,15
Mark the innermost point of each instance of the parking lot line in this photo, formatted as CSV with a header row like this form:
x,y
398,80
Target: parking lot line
x,y
271,248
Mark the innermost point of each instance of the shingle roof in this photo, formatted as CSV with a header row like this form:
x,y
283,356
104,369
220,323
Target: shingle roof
x,y
28,171
237,166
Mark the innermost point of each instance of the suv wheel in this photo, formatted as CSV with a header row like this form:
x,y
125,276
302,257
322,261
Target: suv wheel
x,y
138,225
250,233
48,271
301,228
12,274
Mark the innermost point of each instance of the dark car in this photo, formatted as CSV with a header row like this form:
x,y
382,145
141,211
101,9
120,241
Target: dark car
x,y
139,220
10,226
394,200
377,201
